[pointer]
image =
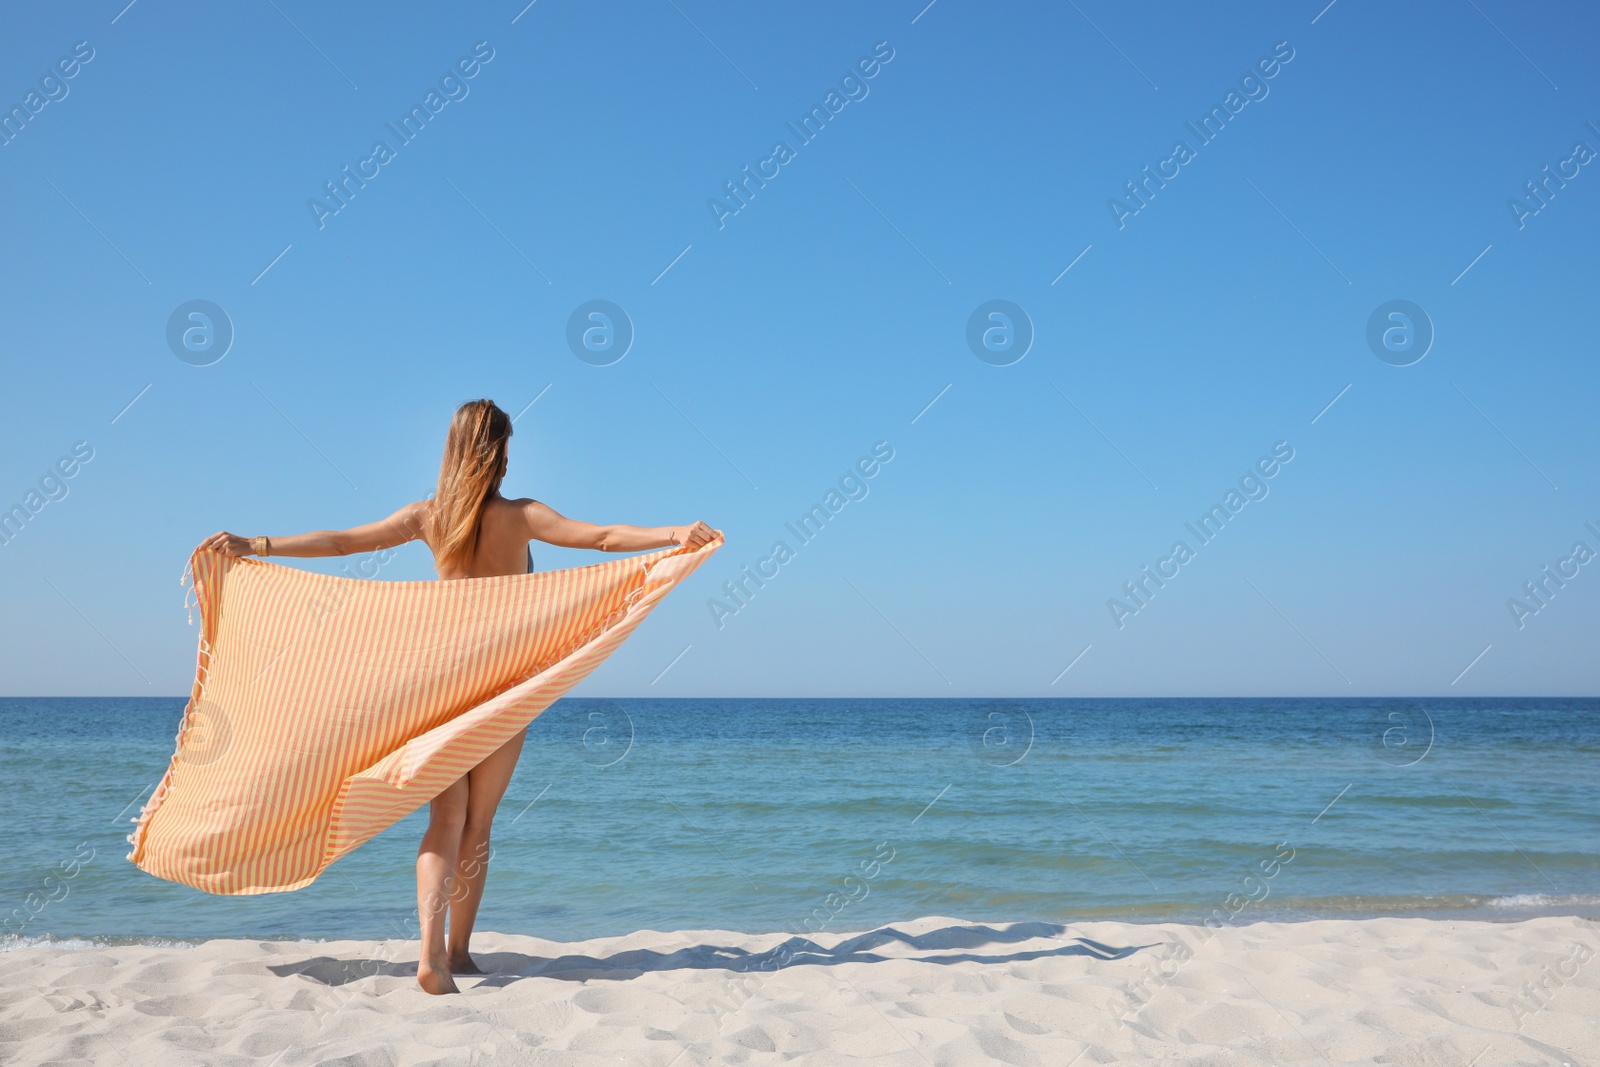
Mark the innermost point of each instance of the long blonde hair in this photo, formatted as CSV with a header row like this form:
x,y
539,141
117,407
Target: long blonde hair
x,y
474,463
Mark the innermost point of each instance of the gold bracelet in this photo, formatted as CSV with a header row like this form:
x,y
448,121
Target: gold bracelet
x,y
260,546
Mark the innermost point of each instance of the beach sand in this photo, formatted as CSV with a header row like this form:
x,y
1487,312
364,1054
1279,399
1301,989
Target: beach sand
x,y
937,991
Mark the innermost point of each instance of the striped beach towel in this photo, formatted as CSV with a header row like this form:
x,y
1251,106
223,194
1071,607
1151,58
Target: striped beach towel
x,y
324,709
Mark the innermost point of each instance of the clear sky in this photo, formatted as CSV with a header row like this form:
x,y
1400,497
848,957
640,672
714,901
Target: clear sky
x,y
969,153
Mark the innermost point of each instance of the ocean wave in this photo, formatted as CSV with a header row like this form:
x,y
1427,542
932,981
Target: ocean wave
x,y
1544,900
14,942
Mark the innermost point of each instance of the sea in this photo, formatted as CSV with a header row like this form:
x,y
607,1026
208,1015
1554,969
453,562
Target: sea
x,y
836,815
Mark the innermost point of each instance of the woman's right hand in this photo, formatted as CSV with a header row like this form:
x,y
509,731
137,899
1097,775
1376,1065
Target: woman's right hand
x,y
692,536
228,544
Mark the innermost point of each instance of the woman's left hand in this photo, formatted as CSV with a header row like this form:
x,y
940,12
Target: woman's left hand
x,y
228,544
693,536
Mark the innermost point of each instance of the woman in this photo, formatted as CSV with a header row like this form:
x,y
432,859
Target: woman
x,y
473,532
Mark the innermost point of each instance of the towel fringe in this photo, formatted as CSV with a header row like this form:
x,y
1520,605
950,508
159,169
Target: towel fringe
x,y
186,579
202,674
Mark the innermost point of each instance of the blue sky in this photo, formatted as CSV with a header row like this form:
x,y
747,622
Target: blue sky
x,y
770,353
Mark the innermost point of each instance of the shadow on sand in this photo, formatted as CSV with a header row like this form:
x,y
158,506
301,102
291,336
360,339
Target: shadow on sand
x,y
950,944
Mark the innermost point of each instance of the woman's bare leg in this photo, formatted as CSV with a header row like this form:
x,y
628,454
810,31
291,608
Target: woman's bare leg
x,y
486,784
436,860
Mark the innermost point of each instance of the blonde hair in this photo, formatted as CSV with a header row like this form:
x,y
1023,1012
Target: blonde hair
x,y
473,466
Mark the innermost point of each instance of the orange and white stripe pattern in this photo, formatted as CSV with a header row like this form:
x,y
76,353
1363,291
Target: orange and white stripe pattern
x,y
324,709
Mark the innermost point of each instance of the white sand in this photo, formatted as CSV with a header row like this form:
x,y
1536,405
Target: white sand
x,y
935,991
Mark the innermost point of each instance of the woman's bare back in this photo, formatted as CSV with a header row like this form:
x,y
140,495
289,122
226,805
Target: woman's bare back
x,y
503,537
507,526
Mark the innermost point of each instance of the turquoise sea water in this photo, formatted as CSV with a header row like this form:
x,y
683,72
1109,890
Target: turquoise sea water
x,y
840,814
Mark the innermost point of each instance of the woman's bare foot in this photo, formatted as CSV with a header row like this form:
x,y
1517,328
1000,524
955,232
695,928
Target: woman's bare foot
x,y
435,981
461,963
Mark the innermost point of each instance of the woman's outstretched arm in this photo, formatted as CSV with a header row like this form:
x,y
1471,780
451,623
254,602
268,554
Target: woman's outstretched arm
x,y
550,526
404,525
